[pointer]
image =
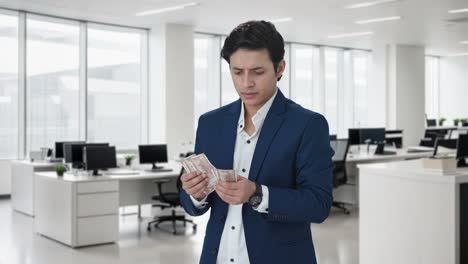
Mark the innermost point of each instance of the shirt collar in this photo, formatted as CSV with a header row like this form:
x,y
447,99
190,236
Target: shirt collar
x,y
259,117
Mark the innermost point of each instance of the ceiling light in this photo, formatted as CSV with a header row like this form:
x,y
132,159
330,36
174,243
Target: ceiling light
x,y
356,34
464,42
458,54
376,20
280,20
455,11
166,9
371,3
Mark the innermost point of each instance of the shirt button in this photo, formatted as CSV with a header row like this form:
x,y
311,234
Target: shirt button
x,y
248,141
232,260
266,209
240,126
243,170
233,227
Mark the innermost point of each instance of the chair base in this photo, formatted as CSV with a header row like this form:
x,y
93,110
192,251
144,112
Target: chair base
x,y
171,218
341,206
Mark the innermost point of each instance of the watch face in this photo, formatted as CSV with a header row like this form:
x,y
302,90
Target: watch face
x,y
255,200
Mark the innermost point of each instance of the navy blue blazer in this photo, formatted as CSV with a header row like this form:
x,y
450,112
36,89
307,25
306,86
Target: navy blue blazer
x,y
293,158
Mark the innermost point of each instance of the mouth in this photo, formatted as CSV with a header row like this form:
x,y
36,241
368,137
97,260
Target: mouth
x,y
249,95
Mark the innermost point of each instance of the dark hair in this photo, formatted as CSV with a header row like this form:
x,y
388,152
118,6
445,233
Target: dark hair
x,y
255,35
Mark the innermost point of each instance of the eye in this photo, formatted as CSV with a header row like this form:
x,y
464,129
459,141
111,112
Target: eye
x,y
259,72
236,72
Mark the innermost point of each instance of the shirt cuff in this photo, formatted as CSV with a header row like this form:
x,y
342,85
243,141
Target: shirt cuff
x,y
263,206
199,204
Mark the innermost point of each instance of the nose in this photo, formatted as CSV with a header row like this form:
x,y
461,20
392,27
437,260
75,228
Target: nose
x,y
247,80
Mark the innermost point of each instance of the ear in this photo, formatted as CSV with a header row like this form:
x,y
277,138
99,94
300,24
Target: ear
x,y
281,68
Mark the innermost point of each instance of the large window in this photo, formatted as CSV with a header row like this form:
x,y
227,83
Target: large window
x,y
63,79
302,79
52,81
331,81
8,85
207,78
114,86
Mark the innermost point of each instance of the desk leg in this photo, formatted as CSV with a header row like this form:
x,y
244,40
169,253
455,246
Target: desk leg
x,y
139,212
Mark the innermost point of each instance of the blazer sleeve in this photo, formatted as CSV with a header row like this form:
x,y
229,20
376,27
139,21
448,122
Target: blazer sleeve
x,y
312,199
185,200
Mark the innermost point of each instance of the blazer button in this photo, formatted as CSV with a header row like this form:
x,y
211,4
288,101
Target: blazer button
x,y
215,251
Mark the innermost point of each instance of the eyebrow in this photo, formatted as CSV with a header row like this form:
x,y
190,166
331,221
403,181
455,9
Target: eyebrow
x,y
254,69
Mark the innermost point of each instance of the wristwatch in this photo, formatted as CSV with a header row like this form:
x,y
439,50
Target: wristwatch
x,y
256,197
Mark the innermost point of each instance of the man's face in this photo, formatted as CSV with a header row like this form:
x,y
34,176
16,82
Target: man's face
x,y
254,76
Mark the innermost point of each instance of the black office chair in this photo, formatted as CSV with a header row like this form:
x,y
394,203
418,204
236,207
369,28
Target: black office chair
x,y
170,200
340,146
430,137
332,137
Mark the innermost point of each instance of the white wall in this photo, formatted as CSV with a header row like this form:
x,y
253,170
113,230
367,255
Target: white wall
x,y
453,88
5,177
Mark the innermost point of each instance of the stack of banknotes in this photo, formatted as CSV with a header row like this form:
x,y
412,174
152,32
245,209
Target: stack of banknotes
x,y
200,163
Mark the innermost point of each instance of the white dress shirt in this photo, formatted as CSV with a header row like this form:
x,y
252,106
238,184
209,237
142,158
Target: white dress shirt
x,y
232,248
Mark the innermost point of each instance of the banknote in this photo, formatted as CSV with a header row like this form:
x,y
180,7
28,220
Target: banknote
x,y
227,175
200,163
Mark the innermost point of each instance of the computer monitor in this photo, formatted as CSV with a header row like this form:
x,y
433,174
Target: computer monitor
x,y
73,152
99,158
446,143
431,122
462,150
152,154
59,149
372,135
354,136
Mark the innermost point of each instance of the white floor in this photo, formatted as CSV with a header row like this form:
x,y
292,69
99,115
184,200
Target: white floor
x,y
336,241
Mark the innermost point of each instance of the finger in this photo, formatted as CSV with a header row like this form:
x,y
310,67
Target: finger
x,y
188,176
223,197
226,192
194,181
228,185
202,193
199,187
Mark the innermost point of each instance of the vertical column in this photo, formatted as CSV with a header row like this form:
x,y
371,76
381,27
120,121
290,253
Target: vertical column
x,y
171,82
406,91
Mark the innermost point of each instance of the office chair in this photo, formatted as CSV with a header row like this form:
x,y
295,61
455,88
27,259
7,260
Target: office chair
x,y
170,200
341,147
332,137
430,137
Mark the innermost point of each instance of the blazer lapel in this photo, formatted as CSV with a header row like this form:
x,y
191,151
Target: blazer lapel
x,y
229,134
269,130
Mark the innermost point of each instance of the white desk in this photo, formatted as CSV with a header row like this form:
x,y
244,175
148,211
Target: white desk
x,y
83,210
349,193
408,214
22,183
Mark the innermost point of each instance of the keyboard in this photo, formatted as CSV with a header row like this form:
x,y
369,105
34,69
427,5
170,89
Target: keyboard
x,y
122,172
159,170
387,152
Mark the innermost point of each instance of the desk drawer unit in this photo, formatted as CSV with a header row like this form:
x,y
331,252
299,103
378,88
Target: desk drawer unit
x,y
97,204
97,230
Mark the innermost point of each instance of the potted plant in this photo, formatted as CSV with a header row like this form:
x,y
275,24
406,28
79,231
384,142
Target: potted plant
x,y
60,169
441,121
456,121
464,121
128,159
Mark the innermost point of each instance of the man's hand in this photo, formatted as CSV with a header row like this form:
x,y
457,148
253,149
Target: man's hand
x,y
195,184
235,192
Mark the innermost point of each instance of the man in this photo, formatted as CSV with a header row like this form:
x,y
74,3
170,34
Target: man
x,y
280,151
